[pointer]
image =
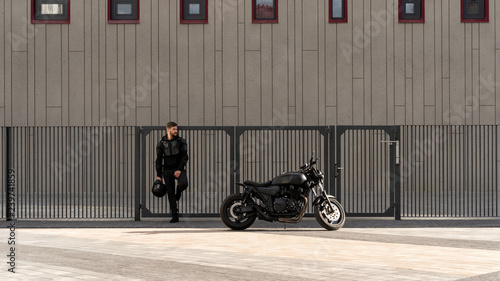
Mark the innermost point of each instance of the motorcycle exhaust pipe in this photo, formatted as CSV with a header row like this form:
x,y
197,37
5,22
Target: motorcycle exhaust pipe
x,y
298,218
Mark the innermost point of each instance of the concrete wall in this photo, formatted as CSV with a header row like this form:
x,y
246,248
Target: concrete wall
x,y
300,71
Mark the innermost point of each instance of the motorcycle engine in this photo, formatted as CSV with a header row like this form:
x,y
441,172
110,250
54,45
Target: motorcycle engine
x,y
280,204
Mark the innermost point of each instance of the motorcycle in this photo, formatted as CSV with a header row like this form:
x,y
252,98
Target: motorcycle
x,y
283,199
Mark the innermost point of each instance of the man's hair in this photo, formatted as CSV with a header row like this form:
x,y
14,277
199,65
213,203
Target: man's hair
x,y
171,124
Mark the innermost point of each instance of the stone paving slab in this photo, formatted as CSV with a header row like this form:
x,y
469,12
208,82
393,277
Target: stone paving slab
x,y
391,251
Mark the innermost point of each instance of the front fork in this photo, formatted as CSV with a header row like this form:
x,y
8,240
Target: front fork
x,y
318,199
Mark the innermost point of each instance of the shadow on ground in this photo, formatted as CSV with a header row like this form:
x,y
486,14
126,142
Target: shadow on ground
x,y
217,223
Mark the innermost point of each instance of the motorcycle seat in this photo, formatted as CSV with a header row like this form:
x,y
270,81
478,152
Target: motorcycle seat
x,y
258,184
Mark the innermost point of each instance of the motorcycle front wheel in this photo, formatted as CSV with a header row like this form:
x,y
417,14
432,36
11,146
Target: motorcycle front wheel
x,y
232,217
330,219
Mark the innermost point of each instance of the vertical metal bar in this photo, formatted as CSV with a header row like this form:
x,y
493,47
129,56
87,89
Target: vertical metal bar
x,y
446,170
107,174
126,176
17,159
495,172
465,174
64,176
119,152
36,208
414,156
425,161
433,169
57,206
477,170
338,147
137,173
49,183
29,188
486,201
206,168
482,187
8,162
234,150
397,179
351,184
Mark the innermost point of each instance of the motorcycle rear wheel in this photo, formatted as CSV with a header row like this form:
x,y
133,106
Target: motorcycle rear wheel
x,y
328,218
230,215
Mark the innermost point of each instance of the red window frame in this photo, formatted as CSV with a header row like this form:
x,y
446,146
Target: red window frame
x,y
182,20
33,20
486,13
124,21
331,20
275,20
422,14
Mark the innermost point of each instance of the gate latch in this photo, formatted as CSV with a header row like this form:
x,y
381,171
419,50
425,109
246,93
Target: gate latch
x,y
397,149
337,169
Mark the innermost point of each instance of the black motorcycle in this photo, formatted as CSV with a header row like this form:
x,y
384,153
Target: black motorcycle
x,y
284,199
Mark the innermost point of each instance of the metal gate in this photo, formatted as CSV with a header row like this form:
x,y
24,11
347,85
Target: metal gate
x,y
107,172
210,170
367,170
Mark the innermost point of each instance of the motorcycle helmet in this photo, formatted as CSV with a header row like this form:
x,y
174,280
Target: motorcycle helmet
x,y
159,189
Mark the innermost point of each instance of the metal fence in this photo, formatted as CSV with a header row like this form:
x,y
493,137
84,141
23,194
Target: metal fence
x,y
107,172
450,171
72,172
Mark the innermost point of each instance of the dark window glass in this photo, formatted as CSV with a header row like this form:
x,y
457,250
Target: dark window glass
x,y
194,10
123,10
337,9
265,10
51,10
411,10
474,9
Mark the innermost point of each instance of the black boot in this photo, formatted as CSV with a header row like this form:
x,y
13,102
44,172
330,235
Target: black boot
x,y
175,218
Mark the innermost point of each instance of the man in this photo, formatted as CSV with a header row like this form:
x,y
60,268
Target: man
x,y
171,160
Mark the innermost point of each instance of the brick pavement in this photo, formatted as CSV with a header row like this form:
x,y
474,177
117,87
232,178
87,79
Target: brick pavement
x,y
402,252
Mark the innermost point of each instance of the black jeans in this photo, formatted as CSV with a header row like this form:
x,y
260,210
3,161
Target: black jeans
x,y
169,177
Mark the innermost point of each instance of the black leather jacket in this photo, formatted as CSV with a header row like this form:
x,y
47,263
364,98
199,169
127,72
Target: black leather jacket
x,y
171,154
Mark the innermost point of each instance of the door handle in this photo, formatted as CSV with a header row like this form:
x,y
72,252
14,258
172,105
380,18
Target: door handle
x,y
337,169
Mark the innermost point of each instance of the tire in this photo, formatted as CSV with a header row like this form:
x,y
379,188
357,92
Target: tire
x,y
231,217
328,219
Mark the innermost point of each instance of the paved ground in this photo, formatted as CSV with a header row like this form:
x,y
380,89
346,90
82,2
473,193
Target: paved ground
x,y
203,249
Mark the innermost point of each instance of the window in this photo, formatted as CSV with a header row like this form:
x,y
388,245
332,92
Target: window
x,y
50,11
475,10
264,11
194,11
123,11
411,11
338,11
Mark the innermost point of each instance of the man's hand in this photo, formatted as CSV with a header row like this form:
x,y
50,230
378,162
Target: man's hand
x,y
177,174
158,178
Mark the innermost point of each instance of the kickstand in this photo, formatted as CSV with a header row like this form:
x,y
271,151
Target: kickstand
x,y
284,225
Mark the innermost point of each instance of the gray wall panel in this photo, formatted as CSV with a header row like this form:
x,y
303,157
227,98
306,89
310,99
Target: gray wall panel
x,y
370,70
3,39
19,88
8,40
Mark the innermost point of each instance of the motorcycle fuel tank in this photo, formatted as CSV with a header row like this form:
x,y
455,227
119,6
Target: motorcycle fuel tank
x,y
290,179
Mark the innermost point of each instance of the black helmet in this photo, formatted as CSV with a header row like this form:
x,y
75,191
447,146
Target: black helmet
x,y
159,189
